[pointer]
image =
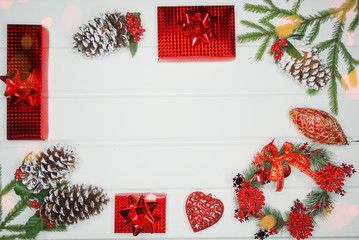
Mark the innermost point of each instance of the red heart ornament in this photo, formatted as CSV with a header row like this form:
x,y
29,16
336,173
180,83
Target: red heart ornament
x,y
203,211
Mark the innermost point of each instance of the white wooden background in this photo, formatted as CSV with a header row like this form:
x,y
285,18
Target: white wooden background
x,y
144,126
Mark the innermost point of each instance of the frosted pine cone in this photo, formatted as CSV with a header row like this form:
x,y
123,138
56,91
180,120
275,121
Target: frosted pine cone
x,y
101,35
68,204
309,71
48,167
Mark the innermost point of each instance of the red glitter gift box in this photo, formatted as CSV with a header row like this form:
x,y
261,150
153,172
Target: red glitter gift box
x,y
190,33
140,213
26,79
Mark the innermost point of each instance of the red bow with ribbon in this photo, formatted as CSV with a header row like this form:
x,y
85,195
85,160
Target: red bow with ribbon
x,y
139,214
199,25
270,153
20,87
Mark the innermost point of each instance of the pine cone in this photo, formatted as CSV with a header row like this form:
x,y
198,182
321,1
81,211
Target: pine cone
x,y
309,71
68,204
48,167
101,35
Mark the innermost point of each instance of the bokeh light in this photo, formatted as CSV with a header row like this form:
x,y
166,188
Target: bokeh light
x,y
46,22
5,4
349,11
285,25
72,16
26,149
353,210
339,217
7,202
351,84
350,41
22,1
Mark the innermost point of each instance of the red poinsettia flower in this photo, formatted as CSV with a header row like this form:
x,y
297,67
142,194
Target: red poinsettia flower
x,y
300,225
250,199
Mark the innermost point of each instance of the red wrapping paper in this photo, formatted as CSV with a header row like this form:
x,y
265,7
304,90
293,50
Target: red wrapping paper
x,y
27,51
175,44
122,202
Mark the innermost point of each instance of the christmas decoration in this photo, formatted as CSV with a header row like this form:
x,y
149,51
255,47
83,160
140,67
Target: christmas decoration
x,y
187,33
308,70
300,59
315,163
26,80
48,167
109,33
67,204
140,213
203,210
318,126
40,183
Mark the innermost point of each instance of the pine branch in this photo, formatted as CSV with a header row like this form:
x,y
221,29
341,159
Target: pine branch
x,y
348,59
256,8
296,6
314,33
312,92
16,236
324,45
8,188
15,228
262,48
18,209
354,24
277,215
317,202
252,36
253,25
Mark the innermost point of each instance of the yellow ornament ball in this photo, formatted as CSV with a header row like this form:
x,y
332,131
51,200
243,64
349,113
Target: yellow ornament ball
x,y
268,222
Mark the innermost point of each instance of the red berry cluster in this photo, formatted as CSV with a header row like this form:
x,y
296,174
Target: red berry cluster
x,y
278,48
18,174
49,224
35,204
133,24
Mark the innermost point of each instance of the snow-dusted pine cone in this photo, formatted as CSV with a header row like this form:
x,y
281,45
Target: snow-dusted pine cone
x,y
48,167
309,71
68,204
101,35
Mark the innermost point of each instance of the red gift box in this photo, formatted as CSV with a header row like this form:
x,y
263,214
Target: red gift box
x,y
188,33
27,104
128,208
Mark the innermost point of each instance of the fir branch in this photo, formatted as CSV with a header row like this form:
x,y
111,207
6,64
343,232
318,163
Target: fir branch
x,y
296,6
19,208
16,236
354,24
266,19
319,158
8,188
262,48
317,202
348,59
253,25
256,8
314,33
324,45
252,36
312,92
277,215
15,228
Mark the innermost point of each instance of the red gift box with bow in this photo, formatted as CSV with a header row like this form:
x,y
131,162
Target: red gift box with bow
x,y
140,213
26,80
189,33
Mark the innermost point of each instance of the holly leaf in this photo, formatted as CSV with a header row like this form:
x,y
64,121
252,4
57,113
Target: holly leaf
x,y
34,225
292,51
137,14
133,47
40,197
21,190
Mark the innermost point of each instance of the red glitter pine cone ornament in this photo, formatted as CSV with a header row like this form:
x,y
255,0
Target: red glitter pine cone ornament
x,y
319,126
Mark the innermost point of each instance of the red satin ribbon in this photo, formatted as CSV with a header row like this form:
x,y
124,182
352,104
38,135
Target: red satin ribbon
x,y
199,25
20,87
297,160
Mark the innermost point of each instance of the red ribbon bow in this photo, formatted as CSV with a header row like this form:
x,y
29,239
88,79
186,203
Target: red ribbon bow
x,y
20,87
139,214
297,160
199,25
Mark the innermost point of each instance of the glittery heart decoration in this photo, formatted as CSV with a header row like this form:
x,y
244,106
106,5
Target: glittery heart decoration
x,y
203,211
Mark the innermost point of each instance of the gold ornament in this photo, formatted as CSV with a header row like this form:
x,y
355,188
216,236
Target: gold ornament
x,y
268,222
